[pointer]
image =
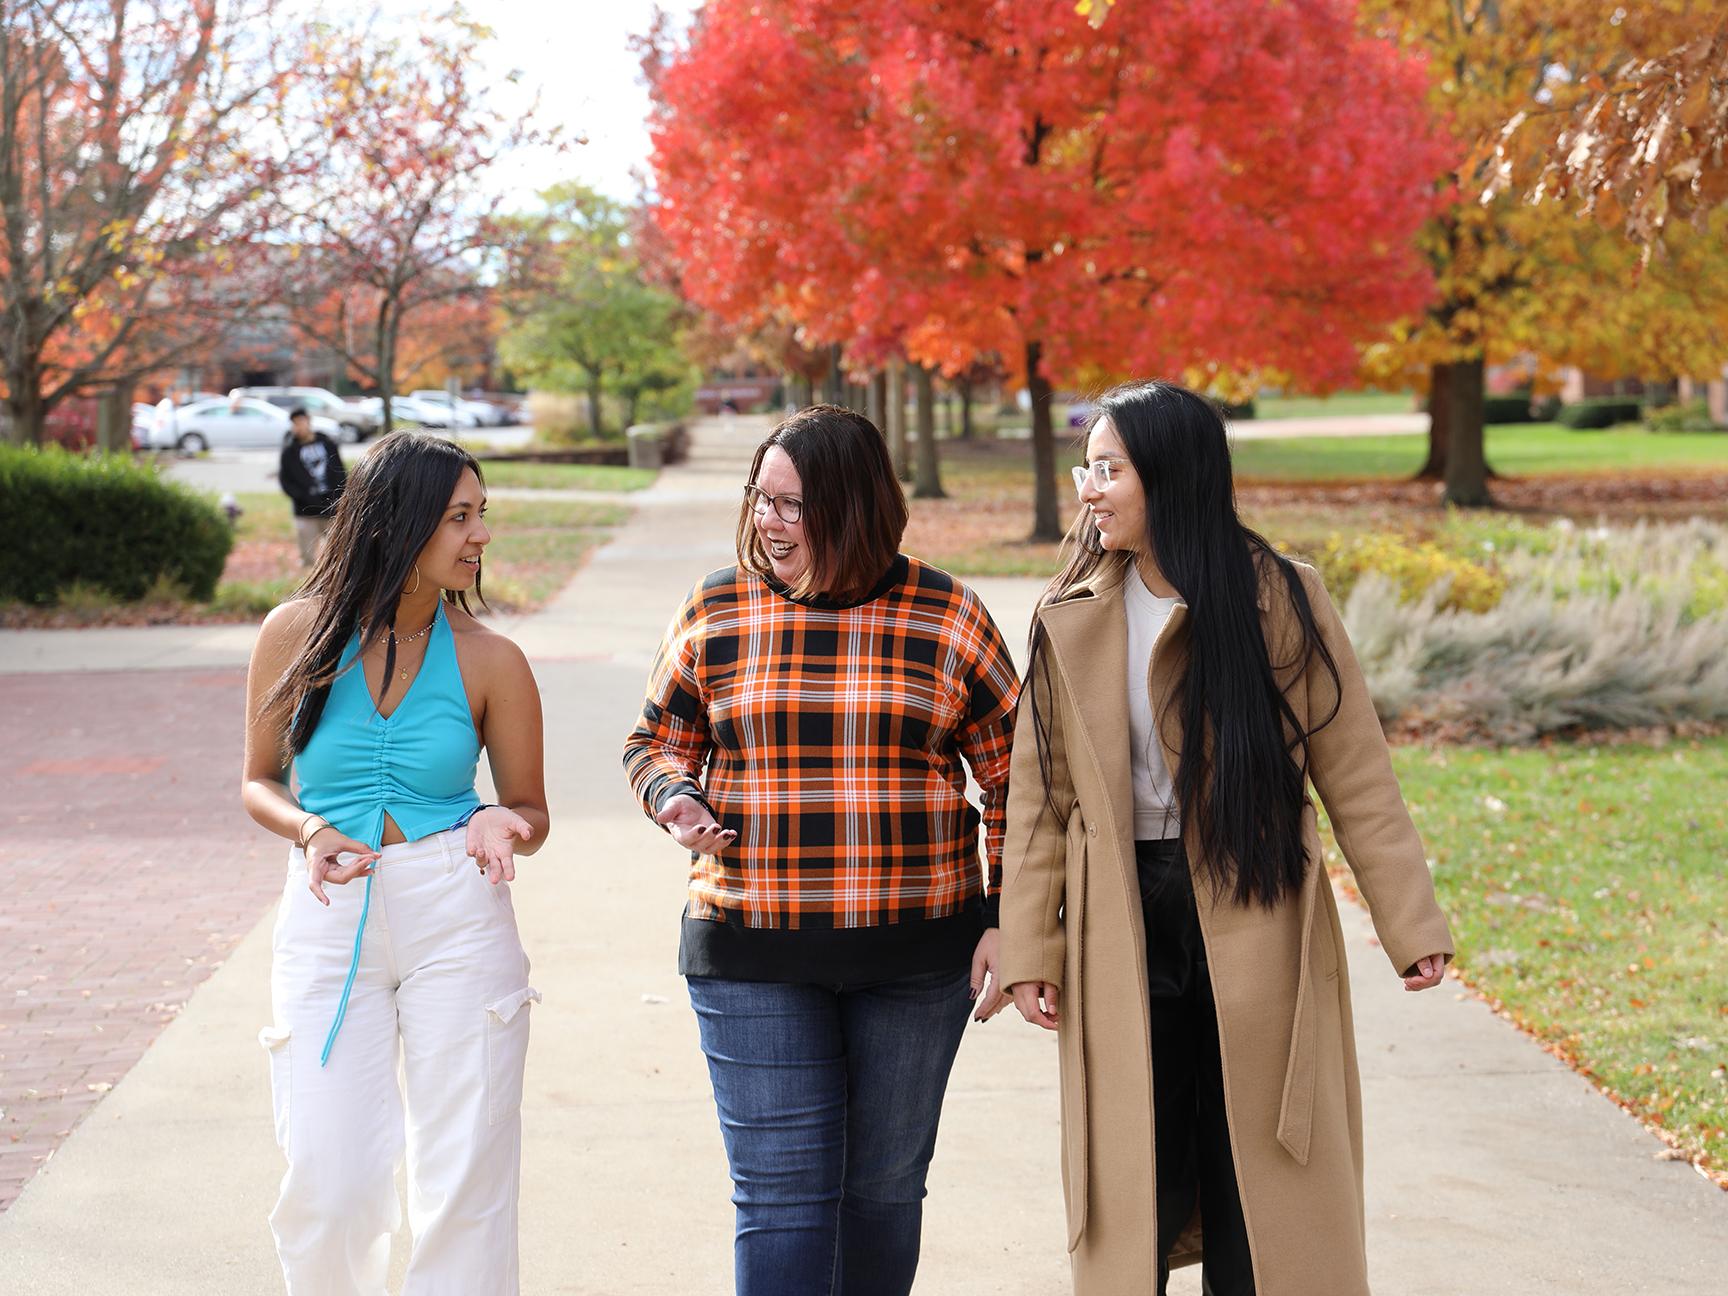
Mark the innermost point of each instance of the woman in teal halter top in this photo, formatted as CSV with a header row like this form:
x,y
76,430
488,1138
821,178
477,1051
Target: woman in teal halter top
x,y
370,698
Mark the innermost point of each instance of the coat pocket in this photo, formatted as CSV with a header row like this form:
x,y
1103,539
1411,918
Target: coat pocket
x,y
507,1052
276,1042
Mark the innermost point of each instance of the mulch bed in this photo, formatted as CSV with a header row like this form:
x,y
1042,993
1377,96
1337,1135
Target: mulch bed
x,y
1615,496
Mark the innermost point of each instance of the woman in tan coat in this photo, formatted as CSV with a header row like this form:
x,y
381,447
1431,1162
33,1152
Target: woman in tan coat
x,y
1165,907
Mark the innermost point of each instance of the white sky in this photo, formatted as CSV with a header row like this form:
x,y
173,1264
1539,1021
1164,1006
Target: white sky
x,y
576,54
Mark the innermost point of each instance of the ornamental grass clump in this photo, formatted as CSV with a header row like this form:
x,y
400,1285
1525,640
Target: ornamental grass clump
x,y
1680,563
1607,630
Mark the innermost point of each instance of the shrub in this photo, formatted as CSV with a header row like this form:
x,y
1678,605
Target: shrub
x,y
561,418
1694,416
1599,412
1508,409
1415,569
102,524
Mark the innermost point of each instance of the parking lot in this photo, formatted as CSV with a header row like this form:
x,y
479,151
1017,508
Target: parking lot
x,y
242,471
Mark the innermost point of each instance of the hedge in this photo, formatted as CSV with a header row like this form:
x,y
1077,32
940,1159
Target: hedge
x,y
1600,412
1694,416
104,522
1507,409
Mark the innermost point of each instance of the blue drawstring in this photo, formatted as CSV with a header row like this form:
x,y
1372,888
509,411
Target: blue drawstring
x,y
353,967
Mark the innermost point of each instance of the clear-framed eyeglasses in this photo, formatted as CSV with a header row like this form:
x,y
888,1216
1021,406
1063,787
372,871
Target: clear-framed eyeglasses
x,y
789,507
1100,472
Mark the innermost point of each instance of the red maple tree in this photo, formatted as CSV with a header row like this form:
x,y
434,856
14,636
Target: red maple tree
x,y
1203,188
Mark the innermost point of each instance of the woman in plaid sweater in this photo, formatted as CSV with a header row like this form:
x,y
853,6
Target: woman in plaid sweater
x,y
803,737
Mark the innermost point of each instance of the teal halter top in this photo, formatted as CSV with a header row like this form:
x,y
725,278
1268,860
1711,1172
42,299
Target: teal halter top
x,y
417,764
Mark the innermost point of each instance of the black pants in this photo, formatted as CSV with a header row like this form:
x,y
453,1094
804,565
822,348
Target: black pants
x,y
1193,1134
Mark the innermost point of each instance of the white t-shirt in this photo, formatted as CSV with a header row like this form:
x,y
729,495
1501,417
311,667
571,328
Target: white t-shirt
x,y
1155,811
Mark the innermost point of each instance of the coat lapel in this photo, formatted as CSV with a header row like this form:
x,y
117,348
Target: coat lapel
x,y
1089,638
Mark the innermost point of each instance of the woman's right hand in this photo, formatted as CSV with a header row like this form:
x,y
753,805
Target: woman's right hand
x,y
1036,1001
322,864
692,827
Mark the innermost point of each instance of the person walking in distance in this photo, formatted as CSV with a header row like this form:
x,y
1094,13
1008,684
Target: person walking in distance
x,y
312,477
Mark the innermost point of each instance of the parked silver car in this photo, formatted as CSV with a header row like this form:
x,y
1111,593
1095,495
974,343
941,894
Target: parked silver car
x,y
228,423
355,419
407,409
485,413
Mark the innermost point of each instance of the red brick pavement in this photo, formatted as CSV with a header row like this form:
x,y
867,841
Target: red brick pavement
x,y
128,871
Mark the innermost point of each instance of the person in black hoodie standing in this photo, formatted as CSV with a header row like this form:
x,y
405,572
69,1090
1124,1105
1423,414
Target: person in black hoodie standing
x,y
312,477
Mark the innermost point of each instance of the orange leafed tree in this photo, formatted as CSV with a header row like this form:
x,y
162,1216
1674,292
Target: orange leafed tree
x,y
1202,188
126,164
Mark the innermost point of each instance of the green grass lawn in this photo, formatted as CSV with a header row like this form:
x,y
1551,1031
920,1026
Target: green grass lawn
x,y
536,547
1516,449
588,477
1588,893
1344,404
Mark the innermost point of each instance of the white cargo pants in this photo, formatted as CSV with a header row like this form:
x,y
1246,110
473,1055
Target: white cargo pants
x,y
442,971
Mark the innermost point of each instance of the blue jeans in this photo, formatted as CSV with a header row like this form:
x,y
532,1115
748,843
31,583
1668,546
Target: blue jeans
x,y
829,1098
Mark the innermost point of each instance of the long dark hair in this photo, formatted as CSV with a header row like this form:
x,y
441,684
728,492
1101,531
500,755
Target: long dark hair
x,y
391,506
854,508
1241,783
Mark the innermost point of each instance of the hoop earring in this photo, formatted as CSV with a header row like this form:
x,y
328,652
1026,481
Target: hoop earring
x,y
416,580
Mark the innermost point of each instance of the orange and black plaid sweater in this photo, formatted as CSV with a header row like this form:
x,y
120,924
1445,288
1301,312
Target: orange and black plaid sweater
x,y
830,736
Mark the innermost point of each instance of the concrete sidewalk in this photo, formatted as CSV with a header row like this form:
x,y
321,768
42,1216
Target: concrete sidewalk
x,y
1491,1167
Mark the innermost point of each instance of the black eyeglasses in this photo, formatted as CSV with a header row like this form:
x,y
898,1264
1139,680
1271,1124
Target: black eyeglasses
x,y
789,507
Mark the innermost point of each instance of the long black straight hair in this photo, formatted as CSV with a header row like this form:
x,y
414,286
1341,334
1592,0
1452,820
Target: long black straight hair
x,y
390,507
1241,783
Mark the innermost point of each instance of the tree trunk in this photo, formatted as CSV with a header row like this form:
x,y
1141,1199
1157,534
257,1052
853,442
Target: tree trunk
x,y
1466,456
27,413
114,419
965,387
897,419
876,399
929,482
802,393
1439,423
834,382
594,403
1045,526
388,323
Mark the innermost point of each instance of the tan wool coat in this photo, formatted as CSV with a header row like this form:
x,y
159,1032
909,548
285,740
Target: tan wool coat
x,y
1071,916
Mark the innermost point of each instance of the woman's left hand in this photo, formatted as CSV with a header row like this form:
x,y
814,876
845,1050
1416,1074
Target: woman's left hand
x,y
1428,972
986,959
492,836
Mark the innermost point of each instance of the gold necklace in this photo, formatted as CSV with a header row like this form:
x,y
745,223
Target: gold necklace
x,y
418,634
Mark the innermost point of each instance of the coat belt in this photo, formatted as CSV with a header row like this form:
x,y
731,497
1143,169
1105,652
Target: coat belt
x,y
1296,1110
